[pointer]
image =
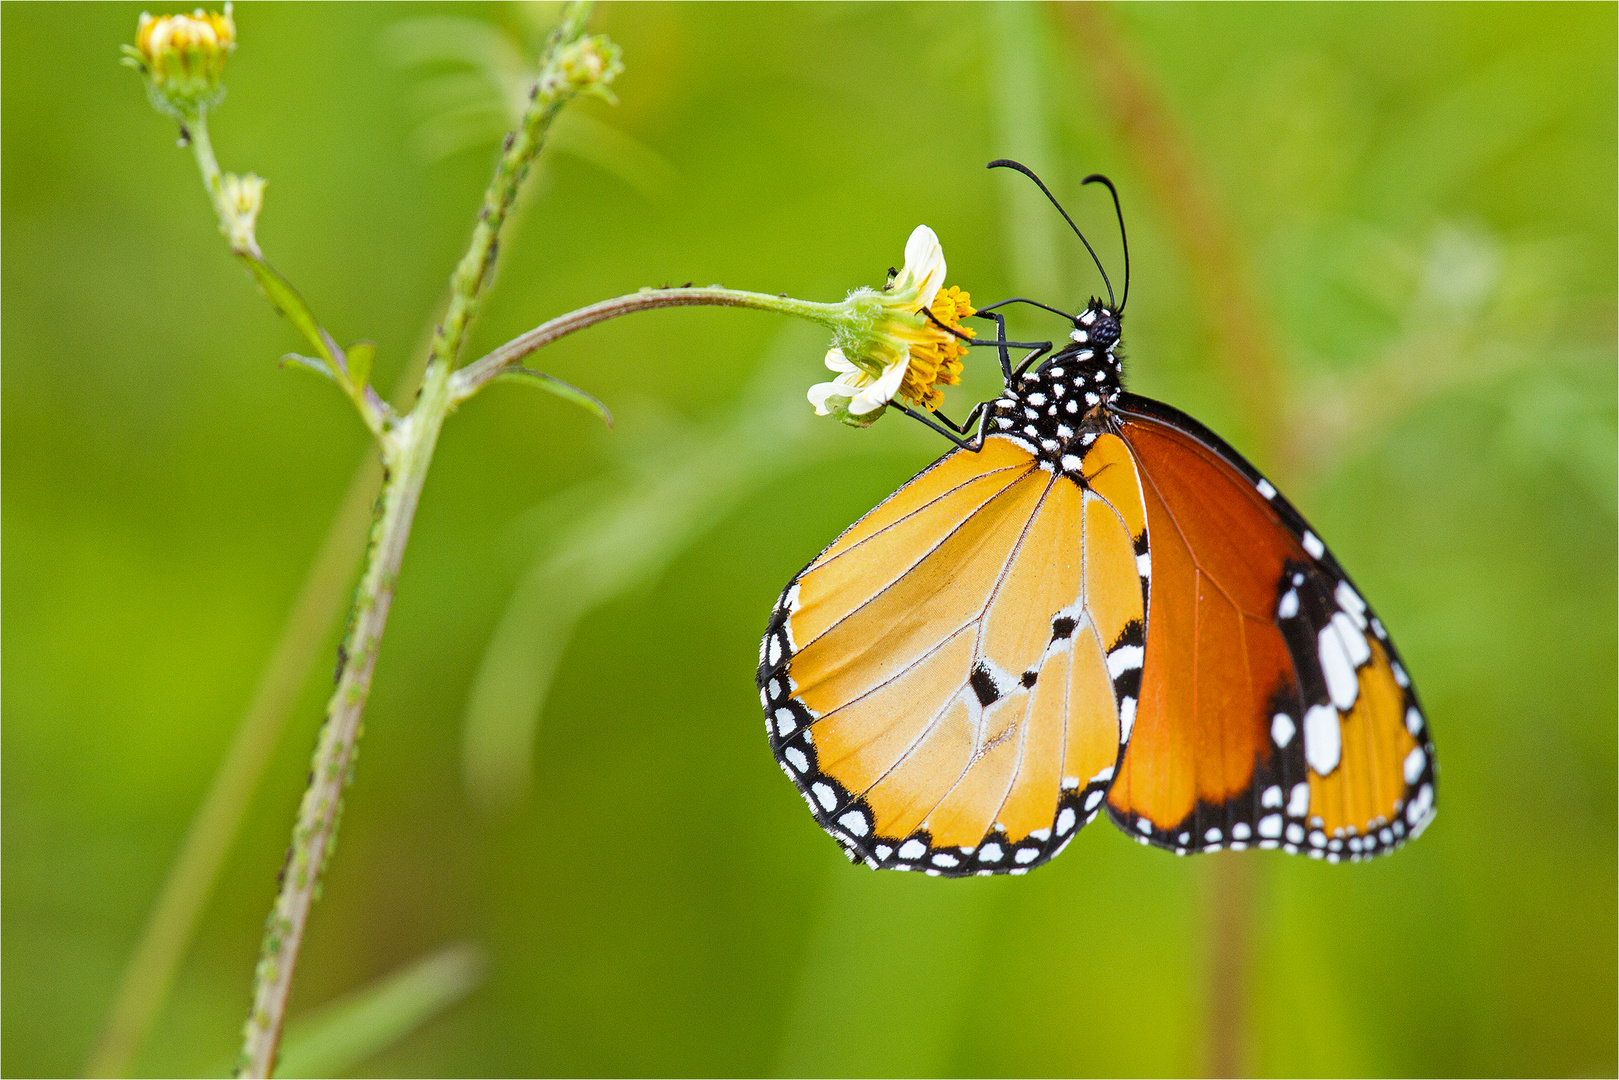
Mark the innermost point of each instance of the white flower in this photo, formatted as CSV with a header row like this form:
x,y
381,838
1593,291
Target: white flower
x,y
865,388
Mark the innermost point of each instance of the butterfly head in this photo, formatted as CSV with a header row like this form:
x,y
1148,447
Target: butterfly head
x,y
1097,328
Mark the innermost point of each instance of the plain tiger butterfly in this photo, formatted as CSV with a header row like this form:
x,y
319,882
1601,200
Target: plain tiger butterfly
x,y
1092,601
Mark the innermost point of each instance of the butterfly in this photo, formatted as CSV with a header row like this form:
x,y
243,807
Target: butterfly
x,y
1092,602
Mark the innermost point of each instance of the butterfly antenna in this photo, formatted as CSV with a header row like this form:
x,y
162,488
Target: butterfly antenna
x,y
1098,178
1008,163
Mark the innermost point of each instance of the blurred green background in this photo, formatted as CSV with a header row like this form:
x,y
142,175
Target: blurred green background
x,y
1372,245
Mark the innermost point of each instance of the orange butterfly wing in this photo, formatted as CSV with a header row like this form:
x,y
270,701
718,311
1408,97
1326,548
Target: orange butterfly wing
x,y
1274,708
950,683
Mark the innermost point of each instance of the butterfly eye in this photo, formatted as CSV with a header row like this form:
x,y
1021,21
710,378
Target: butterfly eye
x,y
1103,328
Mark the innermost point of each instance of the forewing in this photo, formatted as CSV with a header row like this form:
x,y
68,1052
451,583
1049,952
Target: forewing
x,y
945,682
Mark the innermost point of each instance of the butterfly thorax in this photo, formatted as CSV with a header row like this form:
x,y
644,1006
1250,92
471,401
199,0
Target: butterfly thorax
x,y
1056,410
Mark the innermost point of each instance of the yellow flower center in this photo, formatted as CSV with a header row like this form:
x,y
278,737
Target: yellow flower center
x,y
936,354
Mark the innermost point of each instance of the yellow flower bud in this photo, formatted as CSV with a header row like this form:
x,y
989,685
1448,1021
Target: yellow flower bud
x,y
183,57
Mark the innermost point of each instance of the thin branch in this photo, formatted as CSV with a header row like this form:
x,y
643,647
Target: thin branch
x,y
407,454
472,378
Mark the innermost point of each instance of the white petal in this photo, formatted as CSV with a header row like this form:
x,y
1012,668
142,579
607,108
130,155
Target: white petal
x,y
836,361
820,392
924,264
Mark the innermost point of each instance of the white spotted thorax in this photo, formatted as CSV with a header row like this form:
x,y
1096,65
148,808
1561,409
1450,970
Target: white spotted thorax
x,y
1045,410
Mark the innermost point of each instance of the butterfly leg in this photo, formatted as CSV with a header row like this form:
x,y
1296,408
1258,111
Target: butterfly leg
x,y
974,445
1007,371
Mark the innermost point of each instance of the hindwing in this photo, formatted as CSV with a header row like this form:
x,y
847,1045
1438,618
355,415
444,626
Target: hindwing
x,y
1275,711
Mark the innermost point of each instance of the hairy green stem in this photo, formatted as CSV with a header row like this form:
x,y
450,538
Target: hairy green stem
x,y
472,378
408,447
405,465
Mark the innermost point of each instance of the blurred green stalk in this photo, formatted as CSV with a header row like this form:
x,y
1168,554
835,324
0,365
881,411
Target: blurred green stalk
x,y
341,1035
217,821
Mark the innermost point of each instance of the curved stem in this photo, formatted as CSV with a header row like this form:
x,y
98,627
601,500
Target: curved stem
x,y
472,378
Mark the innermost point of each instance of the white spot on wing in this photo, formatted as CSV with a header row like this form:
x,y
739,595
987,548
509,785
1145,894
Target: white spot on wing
x,y
1265,488
1413,720
1289,605
1065,821
1313,544
1270,826
825,796
1124,658
1271,797
1298,801
786,722
1282,729
1415,761
1342,686
1354,641
1322,738
912,849
796,757
855,822
1352,604
1421,805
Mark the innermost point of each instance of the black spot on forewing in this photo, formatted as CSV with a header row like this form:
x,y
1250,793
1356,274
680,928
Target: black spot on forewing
x,y
983,684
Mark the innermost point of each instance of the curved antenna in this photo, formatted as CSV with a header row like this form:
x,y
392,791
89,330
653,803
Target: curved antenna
x,y
1008,163
1098,178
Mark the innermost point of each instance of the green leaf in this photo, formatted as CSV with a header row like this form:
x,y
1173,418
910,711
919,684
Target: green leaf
x,y
338,1037
289,303
361,356
319,367
561,389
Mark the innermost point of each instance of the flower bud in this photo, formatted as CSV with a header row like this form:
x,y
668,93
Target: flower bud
x,y
588,66
243,198
183,57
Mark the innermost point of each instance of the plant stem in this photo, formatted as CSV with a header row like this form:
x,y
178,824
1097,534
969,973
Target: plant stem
x,y
318,815
472,378
407,449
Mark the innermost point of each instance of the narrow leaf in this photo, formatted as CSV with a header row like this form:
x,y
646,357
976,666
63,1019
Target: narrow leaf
x,y
335,1039
561,389
288,302
361,355
319,367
